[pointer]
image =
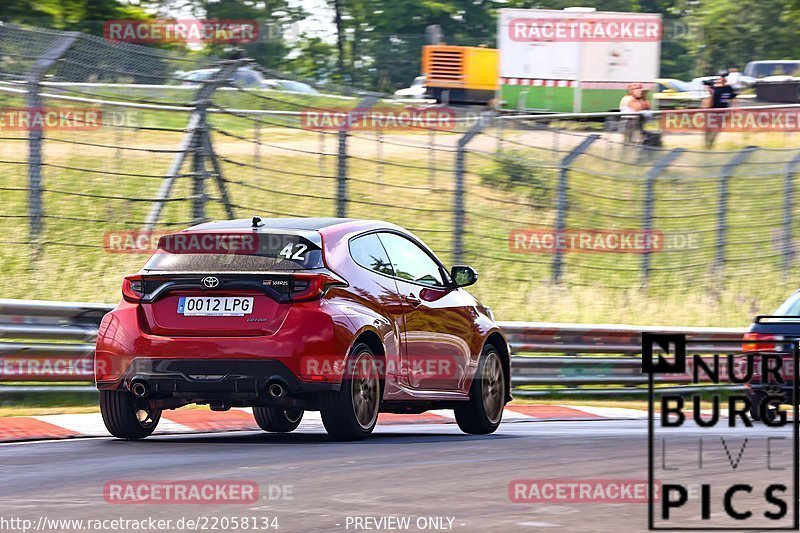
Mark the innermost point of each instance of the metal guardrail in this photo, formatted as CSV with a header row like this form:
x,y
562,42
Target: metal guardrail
x,y
563,355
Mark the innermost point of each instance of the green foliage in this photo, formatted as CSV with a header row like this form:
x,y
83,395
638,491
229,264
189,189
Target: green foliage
x,y
516,172
272,49
381,41
75,15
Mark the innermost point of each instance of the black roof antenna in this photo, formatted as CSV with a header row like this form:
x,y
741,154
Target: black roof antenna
x,y
257,222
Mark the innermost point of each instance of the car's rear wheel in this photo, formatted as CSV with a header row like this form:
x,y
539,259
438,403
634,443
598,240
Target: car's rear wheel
x,y
481,415
125,418
352,412
277,419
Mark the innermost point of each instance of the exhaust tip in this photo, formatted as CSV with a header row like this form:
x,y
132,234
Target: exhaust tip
x,y
139,389
276,390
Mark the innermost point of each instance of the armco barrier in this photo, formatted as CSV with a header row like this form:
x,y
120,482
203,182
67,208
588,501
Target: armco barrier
x,y
568,355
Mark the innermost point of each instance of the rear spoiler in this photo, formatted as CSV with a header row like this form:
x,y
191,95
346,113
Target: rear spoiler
x,y
762,319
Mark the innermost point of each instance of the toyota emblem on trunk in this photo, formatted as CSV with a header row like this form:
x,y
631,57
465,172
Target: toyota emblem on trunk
x,y
210,281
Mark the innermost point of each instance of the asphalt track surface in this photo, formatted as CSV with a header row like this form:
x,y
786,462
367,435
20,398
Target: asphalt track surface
x,y
411,471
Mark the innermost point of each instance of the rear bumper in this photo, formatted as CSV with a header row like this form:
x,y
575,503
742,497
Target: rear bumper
x,y
311,336
212,379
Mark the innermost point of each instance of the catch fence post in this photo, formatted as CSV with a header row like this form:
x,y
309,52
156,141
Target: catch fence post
x,y
649,200
341,174
722,204
33,81
197,142
788,217
562,204
458,196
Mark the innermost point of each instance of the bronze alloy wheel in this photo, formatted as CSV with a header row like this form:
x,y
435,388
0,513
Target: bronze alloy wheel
x,y
365,390
493,387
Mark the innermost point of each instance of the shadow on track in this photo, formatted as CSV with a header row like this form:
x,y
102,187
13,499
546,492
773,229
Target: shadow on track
x,y
301,438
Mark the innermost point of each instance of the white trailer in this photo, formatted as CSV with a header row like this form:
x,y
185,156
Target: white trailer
x,y
575,60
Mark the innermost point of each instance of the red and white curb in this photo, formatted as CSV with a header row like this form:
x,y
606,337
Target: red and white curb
x,y
19,428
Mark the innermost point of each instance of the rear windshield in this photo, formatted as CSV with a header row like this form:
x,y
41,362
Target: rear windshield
x,y
234,252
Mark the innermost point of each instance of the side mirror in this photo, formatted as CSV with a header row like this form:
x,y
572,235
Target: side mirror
x,y
463,275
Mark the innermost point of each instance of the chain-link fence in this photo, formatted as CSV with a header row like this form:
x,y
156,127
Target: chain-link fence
x,y
563,220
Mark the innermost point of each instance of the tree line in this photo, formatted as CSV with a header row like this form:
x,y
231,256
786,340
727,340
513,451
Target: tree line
x,y
376,44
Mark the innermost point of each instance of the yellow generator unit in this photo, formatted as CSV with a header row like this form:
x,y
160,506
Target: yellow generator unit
x,y
461,74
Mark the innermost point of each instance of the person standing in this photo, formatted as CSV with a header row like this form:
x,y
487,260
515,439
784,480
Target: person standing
x,y
721,96
634,102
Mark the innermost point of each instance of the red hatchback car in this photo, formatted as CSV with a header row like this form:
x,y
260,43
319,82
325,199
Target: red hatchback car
x,y
347,317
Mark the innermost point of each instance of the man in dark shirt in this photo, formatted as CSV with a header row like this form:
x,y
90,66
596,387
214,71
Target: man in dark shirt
x,y
720,96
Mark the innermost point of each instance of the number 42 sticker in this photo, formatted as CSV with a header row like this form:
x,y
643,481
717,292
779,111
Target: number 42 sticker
x,y
294,251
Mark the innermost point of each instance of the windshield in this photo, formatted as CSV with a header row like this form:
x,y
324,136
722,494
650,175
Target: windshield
x,y
680,86
199,75
776,68
234,252
790,307
298,87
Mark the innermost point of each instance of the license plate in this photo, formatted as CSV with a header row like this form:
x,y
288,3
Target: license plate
x,y
214,306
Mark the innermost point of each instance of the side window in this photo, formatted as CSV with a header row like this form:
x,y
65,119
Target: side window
x,y
410,262
368,252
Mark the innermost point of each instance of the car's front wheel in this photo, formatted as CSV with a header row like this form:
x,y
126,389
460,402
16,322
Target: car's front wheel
x,y
481,414
125,418
277,419
352,412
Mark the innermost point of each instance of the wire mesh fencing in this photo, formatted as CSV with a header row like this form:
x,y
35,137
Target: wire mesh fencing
x,y
563,219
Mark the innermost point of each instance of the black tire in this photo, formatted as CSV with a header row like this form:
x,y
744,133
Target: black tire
x,y
277,419
756,399
482,413
124,418
352,412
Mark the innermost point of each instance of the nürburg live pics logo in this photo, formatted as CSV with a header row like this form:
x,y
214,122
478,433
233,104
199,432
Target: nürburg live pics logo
x,y
722,434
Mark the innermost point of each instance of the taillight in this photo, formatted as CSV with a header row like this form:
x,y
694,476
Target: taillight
x,y
306,287
761,342
133,288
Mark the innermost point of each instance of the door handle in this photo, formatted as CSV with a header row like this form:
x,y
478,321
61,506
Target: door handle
x,y
413,300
